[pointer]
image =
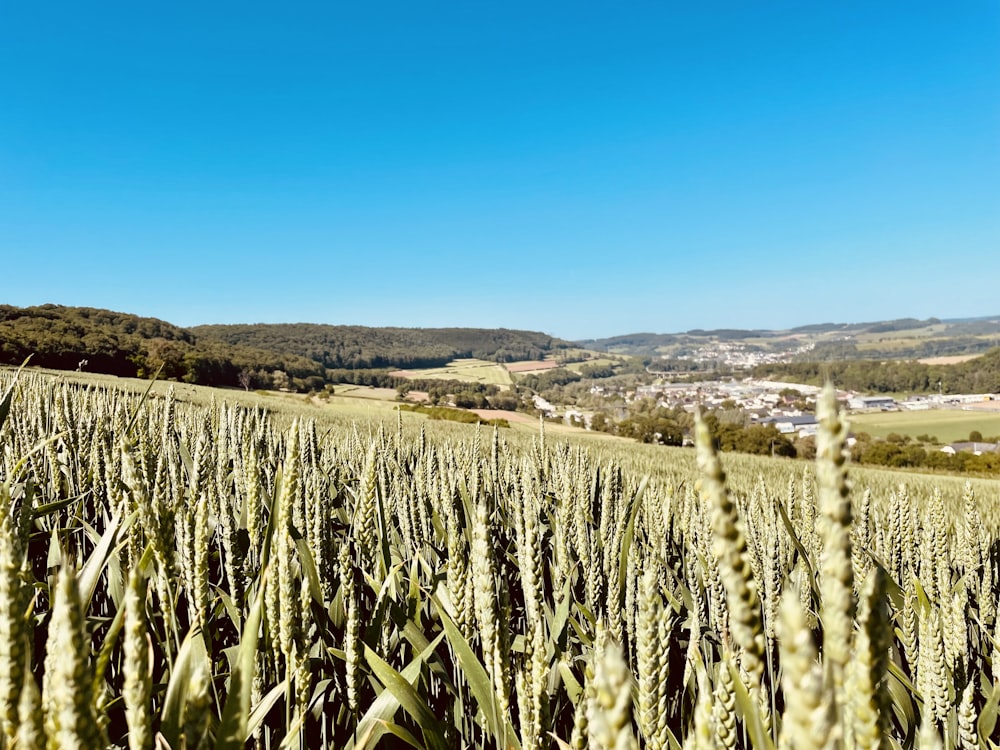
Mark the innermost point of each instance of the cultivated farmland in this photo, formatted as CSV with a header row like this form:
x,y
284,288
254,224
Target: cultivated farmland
x,y
464,370
211,575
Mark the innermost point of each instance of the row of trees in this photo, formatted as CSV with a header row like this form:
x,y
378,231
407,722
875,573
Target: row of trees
x,y
898,451
664,426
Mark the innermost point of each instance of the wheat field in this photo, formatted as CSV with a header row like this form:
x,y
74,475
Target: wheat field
x,y
196,575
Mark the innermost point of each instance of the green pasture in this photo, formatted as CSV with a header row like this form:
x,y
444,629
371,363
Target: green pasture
x,y
947,425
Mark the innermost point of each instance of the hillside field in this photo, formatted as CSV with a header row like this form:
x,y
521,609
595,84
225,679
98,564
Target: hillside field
x,y
464,370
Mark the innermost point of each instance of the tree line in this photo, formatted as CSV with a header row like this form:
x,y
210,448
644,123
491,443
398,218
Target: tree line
x,y
730,429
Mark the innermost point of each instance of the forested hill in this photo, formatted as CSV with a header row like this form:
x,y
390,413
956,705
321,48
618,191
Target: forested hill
x,y
294,355
979,375
114,343
364,347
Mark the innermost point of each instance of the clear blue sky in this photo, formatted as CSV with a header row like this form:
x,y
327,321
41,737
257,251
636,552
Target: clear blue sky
x,y
584,169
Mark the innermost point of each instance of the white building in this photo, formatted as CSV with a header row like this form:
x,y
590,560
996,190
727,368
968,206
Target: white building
x,y
871,402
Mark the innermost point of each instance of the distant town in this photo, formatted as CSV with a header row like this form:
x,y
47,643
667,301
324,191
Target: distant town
x,y
788,407
742,356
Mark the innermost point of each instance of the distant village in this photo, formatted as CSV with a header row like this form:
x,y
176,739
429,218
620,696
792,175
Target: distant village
x,y
741,356
789,407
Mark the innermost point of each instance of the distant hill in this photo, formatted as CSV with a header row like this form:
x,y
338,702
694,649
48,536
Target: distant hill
x,y
362,347
632,343
979,375
292,355
114,343
903,338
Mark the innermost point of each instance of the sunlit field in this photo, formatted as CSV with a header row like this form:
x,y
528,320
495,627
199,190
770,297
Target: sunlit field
x,y
244,568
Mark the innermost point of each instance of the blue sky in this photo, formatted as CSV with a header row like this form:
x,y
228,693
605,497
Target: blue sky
x,y
585,169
